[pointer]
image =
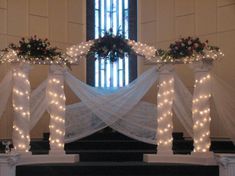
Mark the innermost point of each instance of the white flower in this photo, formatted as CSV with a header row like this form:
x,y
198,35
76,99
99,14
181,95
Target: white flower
x,y
196,45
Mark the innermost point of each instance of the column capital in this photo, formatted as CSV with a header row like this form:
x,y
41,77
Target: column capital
x,y
201,66
57,69
10,159
166,69
225,159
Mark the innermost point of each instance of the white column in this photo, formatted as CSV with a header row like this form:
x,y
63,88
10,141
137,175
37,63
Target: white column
x,y
226,164
56,108
8,164
201,108
21,108
164,110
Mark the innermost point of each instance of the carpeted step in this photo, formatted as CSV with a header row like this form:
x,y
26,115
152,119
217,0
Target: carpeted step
x,y
116,169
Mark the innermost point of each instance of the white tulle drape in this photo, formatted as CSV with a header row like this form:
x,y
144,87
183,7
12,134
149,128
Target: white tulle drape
x,y
113,107
38,103
201,107
120,109
182,105
5,91
224,99
21,107
139,122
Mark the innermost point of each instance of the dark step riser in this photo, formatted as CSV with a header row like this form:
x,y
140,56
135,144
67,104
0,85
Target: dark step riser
x,y
150,170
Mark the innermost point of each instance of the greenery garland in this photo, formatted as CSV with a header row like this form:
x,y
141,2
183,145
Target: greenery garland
x,y
110,46
36,50
185,47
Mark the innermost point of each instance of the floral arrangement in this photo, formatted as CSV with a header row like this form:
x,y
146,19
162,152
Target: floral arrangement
x,y
37,51
185,47
187,50
110,46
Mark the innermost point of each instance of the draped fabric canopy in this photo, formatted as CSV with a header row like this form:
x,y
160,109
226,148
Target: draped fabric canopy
x,y
122,109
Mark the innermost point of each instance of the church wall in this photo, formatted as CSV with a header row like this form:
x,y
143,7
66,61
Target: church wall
x,y
163,21
61,21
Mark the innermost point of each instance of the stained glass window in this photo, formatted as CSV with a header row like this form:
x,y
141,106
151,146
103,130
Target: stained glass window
x,y
115,15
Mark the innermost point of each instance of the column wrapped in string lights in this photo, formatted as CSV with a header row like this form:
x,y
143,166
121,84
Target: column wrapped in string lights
x,y
56,108
201,107
164,110
21,108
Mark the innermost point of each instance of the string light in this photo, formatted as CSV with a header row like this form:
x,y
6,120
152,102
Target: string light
x,y
11,57
201,112
21,91
165,101
55,93
78,51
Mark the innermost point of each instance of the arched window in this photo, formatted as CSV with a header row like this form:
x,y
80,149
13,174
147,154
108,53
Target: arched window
x,y
121,17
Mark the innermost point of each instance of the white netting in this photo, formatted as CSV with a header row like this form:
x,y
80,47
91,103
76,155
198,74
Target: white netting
x,y
38,103
121,109
224,99
134,118
112,107
5,91
182,105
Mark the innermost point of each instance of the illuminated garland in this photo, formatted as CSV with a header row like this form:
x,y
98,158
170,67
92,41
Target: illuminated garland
x,y
110,46
38,51
188,50
33,51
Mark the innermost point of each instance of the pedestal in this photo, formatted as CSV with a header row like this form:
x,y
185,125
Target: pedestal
x,y
226,164
181,159
8,164
48,159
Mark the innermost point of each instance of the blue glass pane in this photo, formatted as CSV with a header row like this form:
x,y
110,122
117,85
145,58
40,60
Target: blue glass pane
x,y
126,21
114,12
96,4
96,73
102,79
102,17
120,19
108,11
126,60
108,74
97,28
115,74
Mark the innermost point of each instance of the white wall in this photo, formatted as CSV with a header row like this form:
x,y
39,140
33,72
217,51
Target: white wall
x,y
61,21
163,21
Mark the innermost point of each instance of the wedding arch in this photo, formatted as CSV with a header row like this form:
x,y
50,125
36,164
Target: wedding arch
x,y
121,109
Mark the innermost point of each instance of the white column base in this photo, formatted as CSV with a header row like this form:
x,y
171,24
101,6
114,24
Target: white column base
x,y
203,154
161,152
8,164
21,152
179,159
226,164
56,152
48,159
